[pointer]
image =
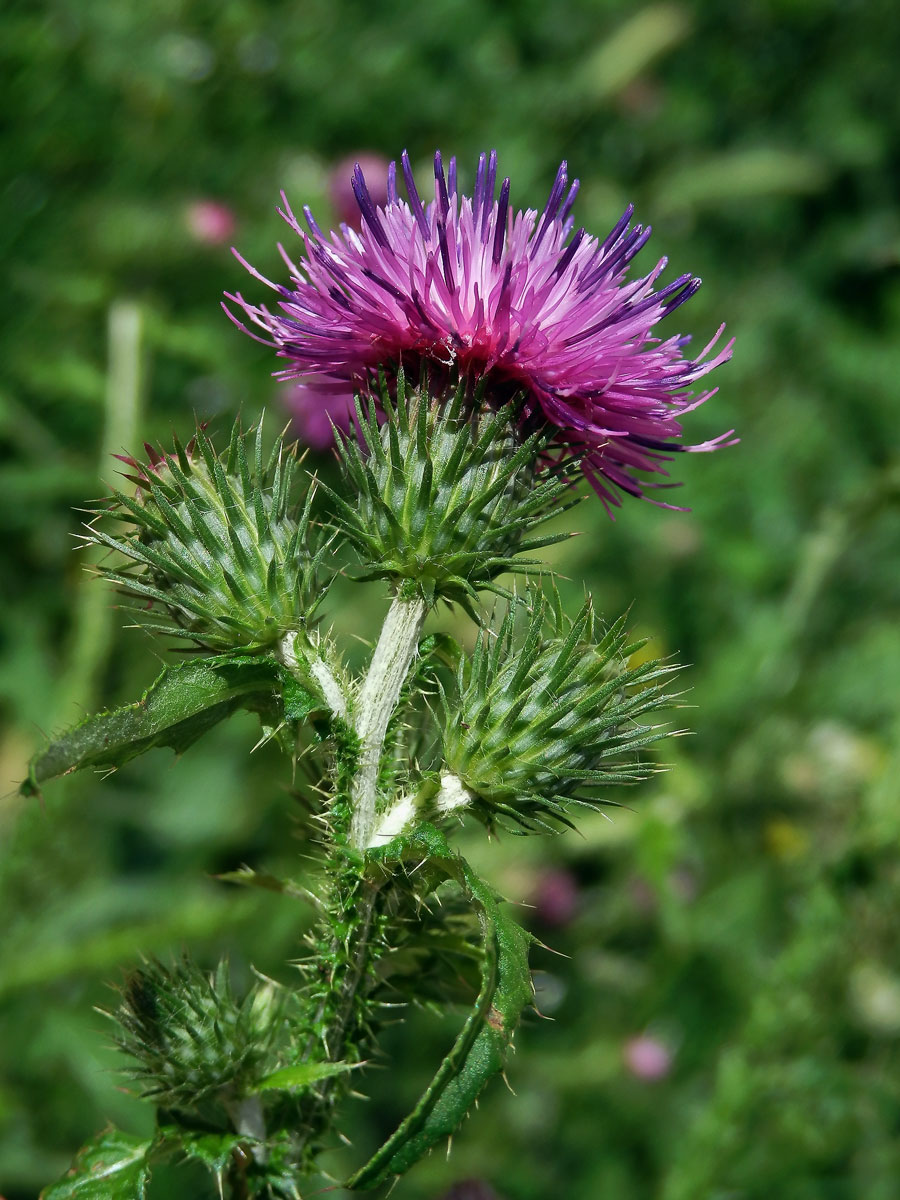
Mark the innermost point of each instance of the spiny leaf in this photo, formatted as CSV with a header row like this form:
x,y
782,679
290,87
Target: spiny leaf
x,y
480,1050
215,1150
112,1166
247,877
184,702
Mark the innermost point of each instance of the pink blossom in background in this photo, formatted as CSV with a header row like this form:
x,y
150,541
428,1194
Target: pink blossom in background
x,y
312,415
647,1058
210,222
643,894
471,1189
340,185
465,285
555,897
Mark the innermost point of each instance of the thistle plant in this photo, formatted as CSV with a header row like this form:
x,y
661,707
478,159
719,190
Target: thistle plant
x,y
494,359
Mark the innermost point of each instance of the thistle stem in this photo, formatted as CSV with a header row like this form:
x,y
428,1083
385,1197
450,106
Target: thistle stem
x,y
319,669
249,1121
377,700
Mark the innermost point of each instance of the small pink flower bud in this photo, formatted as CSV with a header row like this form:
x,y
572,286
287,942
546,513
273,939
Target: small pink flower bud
x,y
555,897
647,1058
210,222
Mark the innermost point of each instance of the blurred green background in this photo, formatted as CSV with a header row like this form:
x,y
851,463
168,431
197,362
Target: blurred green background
x,y
727,1023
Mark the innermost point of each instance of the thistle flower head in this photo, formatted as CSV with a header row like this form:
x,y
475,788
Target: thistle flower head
x,y
517,299
192,1040
548,720
214,544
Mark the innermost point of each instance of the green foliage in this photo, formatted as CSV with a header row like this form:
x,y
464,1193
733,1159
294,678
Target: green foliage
x,y
445,496
544,718
182,704
112,1166
302,1075
216,1151
219,542
744,918
480,1050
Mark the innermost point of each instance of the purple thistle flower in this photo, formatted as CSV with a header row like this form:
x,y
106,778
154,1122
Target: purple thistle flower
x,y
464,284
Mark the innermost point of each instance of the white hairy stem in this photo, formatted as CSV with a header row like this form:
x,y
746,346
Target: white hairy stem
x,y
319,669
331,689
376,702
393,822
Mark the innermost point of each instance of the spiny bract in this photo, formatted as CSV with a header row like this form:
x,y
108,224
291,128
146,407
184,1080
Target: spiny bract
x,y
445,494
218,545
549,719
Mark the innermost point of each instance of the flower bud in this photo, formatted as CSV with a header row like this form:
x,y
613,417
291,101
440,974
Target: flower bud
x,y
216,544
193,1042
445,493
210,222
647,1058
549,719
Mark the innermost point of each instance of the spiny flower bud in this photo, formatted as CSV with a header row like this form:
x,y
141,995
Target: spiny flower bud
x,y
445,493
193,1041
217,544
545,721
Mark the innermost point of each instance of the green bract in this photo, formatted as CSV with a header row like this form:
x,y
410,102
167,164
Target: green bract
x,y
218,545
445,493
193,1043
547,719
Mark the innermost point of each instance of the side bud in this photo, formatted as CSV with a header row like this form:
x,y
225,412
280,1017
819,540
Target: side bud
x,y
216,544
446,493
194,1044
547,719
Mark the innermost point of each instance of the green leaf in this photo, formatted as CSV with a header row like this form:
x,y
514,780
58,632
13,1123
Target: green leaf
x,y
299,701
480,1050
247,877
214,1150
182,704
303,1075
112,1166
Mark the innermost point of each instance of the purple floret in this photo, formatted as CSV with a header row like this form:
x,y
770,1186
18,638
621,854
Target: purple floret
x,y
517,299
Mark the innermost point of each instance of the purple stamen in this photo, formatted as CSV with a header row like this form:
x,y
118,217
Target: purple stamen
x,y
489,186
414,202
553,202
367,207
569,252
440,189
570,199
478,194
500,227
